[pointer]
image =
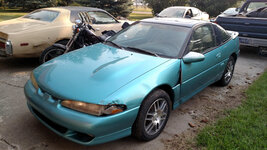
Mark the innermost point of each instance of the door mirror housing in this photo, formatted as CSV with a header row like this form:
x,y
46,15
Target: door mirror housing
x,y
125,25
192,57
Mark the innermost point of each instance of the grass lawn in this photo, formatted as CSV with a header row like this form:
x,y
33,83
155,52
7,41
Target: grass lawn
x,y
137,16
10,14
244,127
142,9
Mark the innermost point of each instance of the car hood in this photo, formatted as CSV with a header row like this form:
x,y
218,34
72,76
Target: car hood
x,y
93,73
20,25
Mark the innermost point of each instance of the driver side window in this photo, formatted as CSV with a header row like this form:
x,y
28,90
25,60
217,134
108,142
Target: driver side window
x,y
101,18
202,39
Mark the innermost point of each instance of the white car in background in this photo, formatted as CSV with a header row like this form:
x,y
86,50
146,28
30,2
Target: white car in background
x,y
184,12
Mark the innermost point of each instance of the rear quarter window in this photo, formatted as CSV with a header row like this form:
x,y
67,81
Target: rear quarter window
x,y
221,35
43,15
74,16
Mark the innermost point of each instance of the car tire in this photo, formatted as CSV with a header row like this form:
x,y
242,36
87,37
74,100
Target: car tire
x,y
42,57
228,72
153,116
50,53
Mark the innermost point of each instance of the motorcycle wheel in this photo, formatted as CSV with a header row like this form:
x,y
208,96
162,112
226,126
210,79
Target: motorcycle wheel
x,y
50,53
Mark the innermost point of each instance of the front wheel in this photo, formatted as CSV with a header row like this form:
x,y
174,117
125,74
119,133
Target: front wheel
x,y
228,72
50,53
153,116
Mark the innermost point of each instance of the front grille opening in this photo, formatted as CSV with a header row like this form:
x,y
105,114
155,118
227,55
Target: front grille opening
x,y
77,135
53,125
82,137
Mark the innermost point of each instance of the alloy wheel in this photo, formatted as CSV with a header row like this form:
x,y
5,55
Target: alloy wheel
x,y
229,71
156,116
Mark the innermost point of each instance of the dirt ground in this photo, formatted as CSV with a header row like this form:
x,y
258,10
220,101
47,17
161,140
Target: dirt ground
x,y
20,130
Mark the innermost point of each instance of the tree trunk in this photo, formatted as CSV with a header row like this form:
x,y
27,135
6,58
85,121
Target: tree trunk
x,y
23,4
3,4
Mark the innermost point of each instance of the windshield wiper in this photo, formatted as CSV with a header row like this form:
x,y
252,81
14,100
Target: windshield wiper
x,y
116,45
142,51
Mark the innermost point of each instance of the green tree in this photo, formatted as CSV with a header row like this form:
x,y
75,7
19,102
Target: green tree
x,y
158,5
213,7
31,4
65,2
115,7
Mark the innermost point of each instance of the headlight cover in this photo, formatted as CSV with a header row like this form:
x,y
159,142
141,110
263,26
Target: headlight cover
x,y
93,109
34,83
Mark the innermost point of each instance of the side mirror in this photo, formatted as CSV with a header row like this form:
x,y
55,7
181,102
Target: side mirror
x,y
237,9
125,25
193,57
156,14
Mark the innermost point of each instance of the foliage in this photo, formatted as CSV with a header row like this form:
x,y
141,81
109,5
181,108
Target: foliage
x,y
139,16
30,4
35,4
10,14
66,2
159,5
115,7
244,127
74,4
213,7
124,7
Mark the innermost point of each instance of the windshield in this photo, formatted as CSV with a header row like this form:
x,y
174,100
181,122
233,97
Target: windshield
x,y
231,11
172,12
256,5
43,15
158,39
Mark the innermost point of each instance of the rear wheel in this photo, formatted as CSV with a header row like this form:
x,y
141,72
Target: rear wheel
x,y
228,72
153,116
50,53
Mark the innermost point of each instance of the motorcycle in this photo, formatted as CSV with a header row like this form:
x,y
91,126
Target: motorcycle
x,y
83,35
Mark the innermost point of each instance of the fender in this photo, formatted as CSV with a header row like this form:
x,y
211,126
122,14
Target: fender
x,y
60,46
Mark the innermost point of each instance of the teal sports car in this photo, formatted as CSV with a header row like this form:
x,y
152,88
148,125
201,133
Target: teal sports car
x,y
129,84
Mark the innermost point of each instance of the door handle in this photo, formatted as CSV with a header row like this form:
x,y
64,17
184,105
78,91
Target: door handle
x,y
218,55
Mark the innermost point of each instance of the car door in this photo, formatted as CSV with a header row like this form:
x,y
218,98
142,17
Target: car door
x,y
223,40
102,21
198,75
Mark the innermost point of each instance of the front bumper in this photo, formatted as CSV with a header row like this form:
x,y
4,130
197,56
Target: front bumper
x,y
78,127
255,42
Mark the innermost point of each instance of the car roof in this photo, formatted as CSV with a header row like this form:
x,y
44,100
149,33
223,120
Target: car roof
x,y
256,0
190,23
184,7
78,8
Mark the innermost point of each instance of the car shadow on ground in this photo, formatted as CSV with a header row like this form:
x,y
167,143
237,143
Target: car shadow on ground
x,y
18,63
251,52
